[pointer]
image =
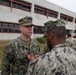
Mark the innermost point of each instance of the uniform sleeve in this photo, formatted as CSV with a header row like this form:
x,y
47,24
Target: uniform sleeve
x,y
6,61
72,43
36,67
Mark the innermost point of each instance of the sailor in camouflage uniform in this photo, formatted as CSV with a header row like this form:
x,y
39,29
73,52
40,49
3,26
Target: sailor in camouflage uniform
x,y
61,59
17,53
71,41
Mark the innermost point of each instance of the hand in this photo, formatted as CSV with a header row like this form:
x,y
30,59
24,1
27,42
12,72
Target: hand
x,y
36,56
30,57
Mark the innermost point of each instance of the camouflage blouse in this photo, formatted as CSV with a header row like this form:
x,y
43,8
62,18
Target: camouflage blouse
x,y
61,60
71,42
15,56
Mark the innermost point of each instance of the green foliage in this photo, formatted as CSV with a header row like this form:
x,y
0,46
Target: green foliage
x,y
41,40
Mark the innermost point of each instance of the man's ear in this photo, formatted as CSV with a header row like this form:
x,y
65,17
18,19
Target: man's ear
x,y
20,27
51,35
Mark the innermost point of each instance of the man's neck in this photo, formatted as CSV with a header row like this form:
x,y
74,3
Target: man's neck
x,y
25,38
58,42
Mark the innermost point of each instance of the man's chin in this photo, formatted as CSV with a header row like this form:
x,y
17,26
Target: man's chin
x,y
28,36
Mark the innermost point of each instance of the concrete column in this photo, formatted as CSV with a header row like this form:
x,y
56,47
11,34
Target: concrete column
x,y
74,20
32,12
32,36
58,16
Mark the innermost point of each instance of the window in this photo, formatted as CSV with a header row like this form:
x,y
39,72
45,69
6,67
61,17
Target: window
x,y
66,17
22,5
0,27
1,2
14,5
70,19
75,20
52,13
38,29
16,29
17,4
5,27
45,11
9,27
63,17
40,10
5,2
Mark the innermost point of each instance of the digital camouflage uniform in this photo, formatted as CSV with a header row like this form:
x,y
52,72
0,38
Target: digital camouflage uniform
x,y
60,60
16,53
71,42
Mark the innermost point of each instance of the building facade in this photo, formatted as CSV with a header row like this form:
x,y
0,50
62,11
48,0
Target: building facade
x,y
40,10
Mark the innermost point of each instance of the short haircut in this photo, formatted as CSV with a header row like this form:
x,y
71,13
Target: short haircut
x,y
60,32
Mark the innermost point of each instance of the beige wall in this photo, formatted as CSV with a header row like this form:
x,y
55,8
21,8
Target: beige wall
x,y
7,16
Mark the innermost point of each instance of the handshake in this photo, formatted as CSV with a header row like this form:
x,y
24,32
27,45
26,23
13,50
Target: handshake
x,y
31,57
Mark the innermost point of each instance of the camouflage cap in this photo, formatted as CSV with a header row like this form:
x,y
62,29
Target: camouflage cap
x,y
26,21
53,24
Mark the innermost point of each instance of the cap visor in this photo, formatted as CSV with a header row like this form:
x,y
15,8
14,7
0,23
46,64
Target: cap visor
x,y
28,25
